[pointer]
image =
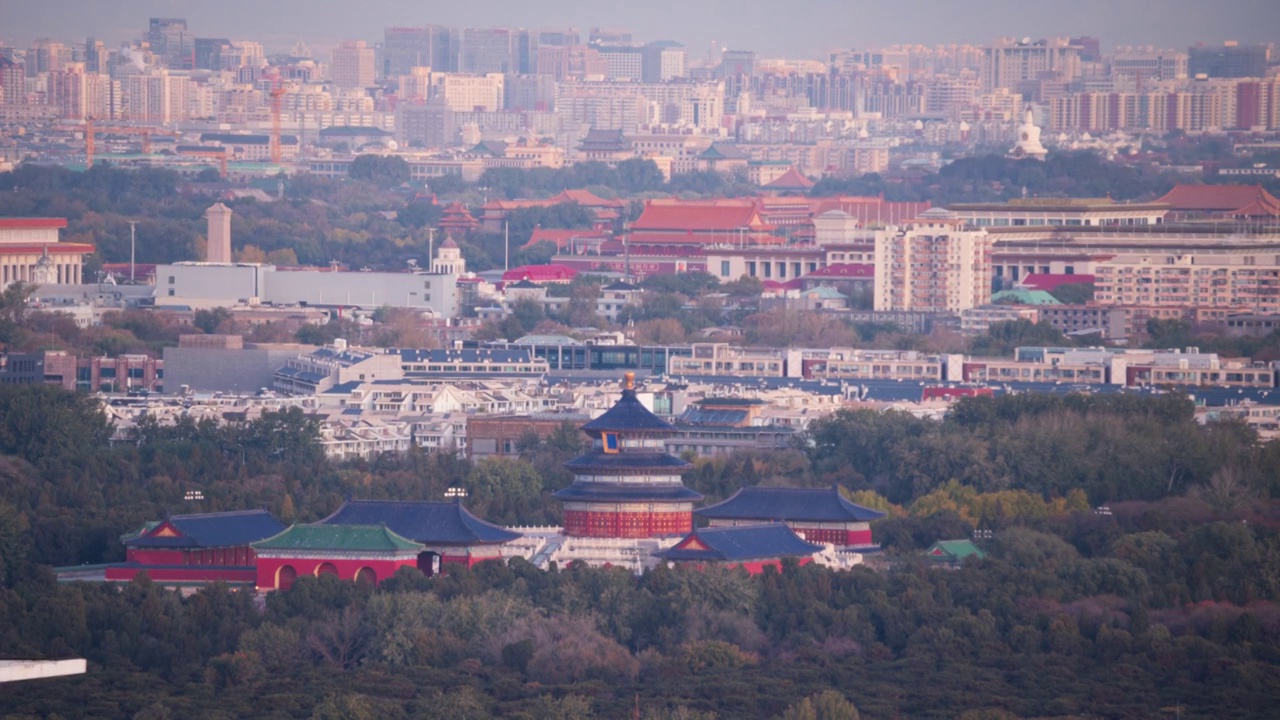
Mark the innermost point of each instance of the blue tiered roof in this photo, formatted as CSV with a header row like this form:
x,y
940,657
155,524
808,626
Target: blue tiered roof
x,y
208,530
627,420
609,462
747,542
431,523
622,492
628,415
789,504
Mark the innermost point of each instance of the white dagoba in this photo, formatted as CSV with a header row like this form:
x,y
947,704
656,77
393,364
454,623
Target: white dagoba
x,y
1028,145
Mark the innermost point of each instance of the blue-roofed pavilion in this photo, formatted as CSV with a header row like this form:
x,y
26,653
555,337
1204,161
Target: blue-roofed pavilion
x,y
821,515
628,485
449,532
752,547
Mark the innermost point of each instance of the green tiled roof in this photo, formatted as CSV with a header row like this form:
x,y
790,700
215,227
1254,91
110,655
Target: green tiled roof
x,y
146,528
954,550
822,292
1026,297
344,538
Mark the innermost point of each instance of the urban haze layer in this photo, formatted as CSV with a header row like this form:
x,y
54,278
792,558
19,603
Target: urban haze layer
x,y
677,362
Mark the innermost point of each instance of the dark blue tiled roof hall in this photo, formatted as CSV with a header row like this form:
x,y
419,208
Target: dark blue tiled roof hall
x,y
446,523
213,530
748,542
795,504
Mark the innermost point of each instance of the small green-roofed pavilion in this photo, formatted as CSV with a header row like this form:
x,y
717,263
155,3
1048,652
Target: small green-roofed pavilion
x,y
954,550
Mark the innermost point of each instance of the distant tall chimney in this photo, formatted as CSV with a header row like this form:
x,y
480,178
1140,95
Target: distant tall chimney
x,y
218,248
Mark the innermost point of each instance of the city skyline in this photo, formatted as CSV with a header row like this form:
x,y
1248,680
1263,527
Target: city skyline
x,y
279,24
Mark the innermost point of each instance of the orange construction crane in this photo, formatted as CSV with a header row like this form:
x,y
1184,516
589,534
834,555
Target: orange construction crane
x,y
277,92
91,129
219,153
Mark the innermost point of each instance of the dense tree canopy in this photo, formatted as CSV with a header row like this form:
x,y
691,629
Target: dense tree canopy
x,y
385,171
994,177
1167,599
374,218
1002,338
319,220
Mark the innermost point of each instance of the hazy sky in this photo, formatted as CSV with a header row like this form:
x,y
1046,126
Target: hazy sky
x,y
798,28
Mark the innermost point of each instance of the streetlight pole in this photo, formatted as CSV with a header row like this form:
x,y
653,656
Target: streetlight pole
x,y
133,243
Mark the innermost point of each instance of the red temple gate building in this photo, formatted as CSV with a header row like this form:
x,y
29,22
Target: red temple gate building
x,y
667,227
448,533
751,547
189,550
819,515
362,553
195,550
495,213
627,486
457,219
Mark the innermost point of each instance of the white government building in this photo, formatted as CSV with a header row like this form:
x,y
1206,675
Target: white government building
x,y
218,282
32,252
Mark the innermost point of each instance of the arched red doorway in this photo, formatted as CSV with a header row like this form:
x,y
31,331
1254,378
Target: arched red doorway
x,y
327,569
285,577
429,563
366,576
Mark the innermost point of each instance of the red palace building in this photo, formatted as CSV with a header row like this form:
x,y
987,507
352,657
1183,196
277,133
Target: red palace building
x,y
363,553
187,551
456,219
628,486
820,515
251,548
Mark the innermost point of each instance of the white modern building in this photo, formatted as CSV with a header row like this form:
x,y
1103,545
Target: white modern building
x,y
31,252
1060,212
467,93
835,227
207,285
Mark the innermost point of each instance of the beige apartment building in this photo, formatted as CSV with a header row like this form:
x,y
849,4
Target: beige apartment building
x,y
936,263
1019,64
1239,279
353,65
858,364
717,359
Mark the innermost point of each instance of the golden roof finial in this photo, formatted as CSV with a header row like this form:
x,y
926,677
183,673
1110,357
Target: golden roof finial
x,y
630,382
